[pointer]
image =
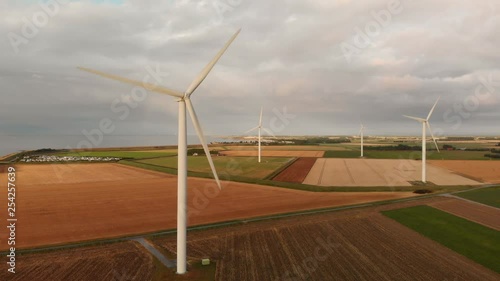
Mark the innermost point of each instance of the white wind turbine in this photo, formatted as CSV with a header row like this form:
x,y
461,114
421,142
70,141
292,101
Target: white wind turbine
x,y
184,101
259,128
425,123
361,131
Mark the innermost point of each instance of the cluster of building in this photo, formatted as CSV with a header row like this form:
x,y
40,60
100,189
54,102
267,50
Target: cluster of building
x,y
54,158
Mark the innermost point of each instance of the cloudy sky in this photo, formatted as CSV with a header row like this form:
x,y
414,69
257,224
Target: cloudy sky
x,y
317,67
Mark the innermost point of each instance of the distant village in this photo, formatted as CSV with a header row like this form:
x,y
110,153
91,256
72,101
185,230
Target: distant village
x,y
53,158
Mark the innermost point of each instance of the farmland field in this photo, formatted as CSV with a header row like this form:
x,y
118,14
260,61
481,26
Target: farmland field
x,y
486,171
273,153
231,166
475,241
346,245
296,172
478,213
404,154
489,196
377,172
120,261
86,208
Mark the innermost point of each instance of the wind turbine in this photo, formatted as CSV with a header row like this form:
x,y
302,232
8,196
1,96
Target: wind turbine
x,y
361,131
259,128
425,123
184,100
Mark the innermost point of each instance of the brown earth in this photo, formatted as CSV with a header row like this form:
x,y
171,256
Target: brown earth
x,y
50,212
481,170
296,172
273,153
120,261
482,214
346,245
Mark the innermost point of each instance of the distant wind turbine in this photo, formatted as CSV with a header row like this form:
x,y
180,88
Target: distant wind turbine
x,y
184,100
361,131
259,128
425,123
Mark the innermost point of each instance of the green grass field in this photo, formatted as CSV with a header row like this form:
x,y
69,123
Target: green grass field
x,y
121,154
229,166
489,196
478,243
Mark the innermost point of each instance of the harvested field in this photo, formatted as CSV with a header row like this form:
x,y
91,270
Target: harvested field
x,y
42,174
296,172
91,210
273,153
346,245
378,172
481,170
286,147
485,215
120,261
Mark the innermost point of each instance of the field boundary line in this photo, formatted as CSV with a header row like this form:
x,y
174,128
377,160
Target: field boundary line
x,y
467,200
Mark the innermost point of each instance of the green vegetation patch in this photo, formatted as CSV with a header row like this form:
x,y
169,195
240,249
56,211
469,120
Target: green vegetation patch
x,y
225,165
489,196
478,243
342,154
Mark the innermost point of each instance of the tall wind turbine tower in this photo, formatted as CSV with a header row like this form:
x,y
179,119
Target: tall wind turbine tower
x,y
259,128
361,131
184,101
425,123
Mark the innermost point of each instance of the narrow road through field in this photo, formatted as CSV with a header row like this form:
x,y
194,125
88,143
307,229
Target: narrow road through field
x,y
166,262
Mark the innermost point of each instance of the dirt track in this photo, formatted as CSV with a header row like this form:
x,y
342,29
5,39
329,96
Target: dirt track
x,y
296,172
272,153
348,245
485,215
378,172
59,213
482,170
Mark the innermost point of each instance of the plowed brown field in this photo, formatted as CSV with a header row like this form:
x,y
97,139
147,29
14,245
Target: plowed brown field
x,y
485,215
87,209
120,261
272,153
481,170
348,245
296,172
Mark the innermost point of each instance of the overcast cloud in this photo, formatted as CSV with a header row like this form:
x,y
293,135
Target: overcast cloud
x,y
289,54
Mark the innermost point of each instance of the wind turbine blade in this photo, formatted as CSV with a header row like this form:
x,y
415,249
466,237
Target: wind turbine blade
x,y
415,118
203,74
260,119
201,136
432,109
359,133
148,86
253,129
268,132
432,135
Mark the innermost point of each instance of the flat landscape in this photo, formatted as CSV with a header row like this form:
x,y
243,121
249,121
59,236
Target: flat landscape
x,y
296,172
485,215
346,245
273,153
120,261
226,166
87,208
378,172
485,171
